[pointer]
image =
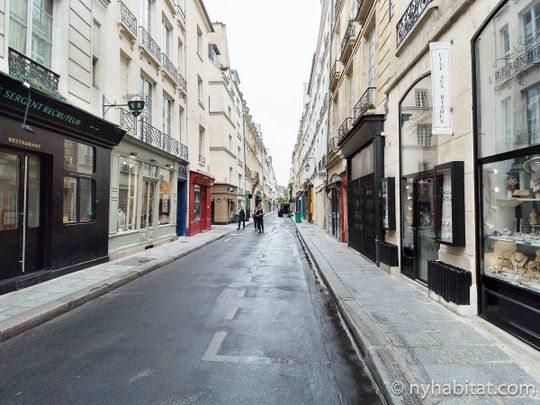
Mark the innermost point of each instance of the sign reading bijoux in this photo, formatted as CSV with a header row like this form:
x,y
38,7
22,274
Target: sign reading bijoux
x,y
440,71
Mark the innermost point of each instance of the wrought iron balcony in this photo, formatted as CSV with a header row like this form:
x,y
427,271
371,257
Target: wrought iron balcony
x,y
365,102
411,15
128,19
348,40
149,43
333,144
151,135
202,159
337,7
182,82
24,68
180,13
344,128
128,122
335,74
169,67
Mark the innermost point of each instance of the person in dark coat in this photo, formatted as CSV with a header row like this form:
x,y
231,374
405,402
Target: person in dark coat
x,y
242,218
260,219
255,220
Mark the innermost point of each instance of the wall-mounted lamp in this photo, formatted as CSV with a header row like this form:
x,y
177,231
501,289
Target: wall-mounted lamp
x,y
24,125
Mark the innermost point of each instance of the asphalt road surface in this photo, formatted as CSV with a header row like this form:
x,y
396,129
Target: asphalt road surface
x,y
245,320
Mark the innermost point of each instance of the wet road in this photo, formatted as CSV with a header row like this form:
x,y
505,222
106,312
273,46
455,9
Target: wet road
x,y
242,321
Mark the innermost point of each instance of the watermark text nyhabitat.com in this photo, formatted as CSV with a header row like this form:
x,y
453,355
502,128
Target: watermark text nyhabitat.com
x,y
465,388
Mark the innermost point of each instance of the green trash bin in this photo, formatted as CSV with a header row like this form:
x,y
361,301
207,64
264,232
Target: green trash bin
x,y
298,217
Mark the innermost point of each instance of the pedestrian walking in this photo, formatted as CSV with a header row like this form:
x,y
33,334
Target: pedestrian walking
x,y
260,219
255,220
242,218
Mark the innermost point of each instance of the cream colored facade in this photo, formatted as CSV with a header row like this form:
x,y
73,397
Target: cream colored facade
x,y
377,55
226,127
108,53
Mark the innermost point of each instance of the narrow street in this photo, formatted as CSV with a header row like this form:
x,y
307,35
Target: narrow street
x,y
244,320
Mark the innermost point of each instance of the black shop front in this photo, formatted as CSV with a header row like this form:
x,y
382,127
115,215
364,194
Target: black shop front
x,y
54,186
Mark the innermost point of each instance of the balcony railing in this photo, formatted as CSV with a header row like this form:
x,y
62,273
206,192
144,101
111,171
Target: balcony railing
x,y
344,129
180,12
169,67
151,135
150,44
128,122
24,68
365,102
349,34
128,19
333,144
410,17
182,82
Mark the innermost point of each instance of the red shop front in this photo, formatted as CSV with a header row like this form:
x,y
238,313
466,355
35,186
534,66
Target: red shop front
x,y
199,202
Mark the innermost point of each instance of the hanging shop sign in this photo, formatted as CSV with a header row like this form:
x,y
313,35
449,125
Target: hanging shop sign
x,y
440,70
136,107
323,175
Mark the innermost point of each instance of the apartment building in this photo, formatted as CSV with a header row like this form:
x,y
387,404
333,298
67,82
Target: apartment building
x,y
55,155
226,127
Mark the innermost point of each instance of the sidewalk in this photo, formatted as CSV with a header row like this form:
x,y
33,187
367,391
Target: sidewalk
x,y
24,309
407,338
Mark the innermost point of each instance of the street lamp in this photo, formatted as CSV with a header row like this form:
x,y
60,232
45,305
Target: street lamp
x,y
307,167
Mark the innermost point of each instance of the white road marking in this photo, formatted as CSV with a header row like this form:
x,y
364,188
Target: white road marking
x,y
211,354
231,313
141,374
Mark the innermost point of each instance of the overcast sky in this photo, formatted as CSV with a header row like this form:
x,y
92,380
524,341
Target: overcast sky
x,y
271,44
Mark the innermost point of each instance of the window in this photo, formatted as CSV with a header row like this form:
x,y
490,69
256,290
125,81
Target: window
x,y
180,55
79,185
531,22
197,201
167,111
230,142
166,38
230,174
165,188
200,89
9,194
146,95
180,123
371,59
421,98
505,41
201,142
199,42
128,190
212,52
146,15
96,28
423,134
31,33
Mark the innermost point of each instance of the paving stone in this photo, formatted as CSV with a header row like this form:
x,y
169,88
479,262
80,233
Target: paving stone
x,y
418,355
448,374
469,354
507,373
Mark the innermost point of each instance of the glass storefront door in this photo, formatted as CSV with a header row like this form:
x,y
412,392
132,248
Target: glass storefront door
x,y
418,243
20,214
148,222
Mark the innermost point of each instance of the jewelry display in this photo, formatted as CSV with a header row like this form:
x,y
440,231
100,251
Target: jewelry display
x,y
446,220
512,222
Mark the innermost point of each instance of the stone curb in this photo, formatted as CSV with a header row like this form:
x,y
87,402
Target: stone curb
x,y
384,362
37,316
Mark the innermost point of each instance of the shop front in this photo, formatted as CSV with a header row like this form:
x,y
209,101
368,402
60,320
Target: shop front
x,y
181,213
335,212
507,133
224,203
54,186
363,147
199,202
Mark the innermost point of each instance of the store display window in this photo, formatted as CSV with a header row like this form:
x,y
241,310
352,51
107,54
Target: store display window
x,y
511,220
165,188
450,204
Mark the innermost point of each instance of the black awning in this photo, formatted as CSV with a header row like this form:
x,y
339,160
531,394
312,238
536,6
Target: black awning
x,y
364,130
50,113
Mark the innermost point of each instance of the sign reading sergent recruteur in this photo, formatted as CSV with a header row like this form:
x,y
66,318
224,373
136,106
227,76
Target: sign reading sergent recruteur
x,y
440,72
